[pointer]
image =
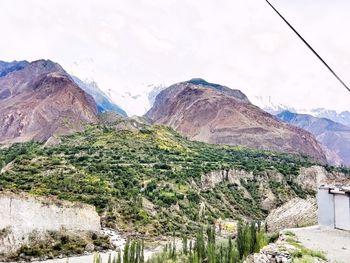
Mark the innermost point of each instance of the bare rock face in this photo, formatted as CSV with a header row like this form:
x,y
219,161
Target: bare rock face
x,y
215,114
301,212
211,179
23,215
120,123
269,200
41,100
314,176
295,213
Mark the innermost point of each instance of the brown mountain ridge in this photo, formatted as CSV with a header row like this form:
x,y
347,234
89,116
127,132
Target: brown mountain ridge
x,y
216,114
38,100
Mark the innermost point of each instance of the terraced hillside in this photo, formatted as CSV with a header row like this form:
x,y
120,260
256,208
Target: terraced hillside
x,y
150,180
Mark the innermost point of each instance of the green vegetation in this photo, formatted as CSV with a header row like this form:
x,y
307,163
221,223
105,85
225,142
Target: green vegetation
x,y
55,243
205,248
133,253
289,233
301,254
150,179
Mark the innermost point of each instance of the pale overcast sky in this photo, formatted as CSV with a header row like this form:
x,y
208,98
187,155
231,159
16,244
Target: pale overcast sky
x,y
127,45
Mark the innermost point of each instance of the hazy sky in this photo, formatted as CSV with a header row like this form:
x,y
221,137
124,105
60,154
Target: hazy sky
x,y
127,45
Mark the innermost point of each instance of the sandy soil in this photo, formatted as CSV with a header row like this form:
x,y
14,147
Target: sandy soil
x,y
335,243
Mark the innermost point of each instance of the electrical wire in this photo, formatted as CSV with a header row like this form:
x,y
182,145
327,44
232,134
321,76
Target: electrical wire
x,y
310,47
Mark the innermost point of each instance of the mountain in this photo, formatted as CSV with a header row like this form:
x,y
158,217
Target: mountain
x,y
215,114
153,93
335,137
8,67
269,105
341,117
38,100
102,100
137,101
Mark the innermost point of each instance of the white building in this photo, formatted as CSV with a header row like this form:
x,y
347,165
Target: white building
x,y
334,207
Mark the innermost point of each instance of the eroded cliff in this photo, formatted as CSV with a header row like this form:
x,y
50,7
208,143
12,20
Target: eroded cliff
x,y
22,215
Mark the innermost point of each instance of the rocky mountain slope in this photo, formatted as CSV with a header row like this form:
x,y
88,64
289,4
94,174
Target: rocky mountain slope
x,y
38,100
215,114
335,137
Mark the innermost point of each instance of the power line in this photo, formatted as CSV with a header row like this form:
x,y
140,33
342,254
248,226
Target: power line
x,y
310,47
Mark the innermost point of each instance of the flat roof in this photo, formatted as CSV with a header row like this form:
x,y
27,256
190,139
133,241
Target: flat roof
x,y
336,189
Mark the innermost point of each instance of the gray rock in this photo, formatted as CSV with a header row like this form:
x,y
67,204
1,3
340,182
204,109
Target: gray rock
x,y
90,247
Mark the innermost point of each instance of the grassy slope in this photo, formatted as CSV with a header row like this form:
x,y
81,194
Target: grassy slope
x,y
117,170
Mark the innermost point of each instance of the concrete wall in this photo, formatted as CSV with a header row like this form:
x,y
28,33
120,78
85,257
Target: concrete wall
x,y
342,211
20,215
325,203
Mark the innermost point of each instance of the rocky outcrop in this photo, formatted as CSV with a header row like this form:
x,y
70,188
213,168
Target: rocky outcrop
x,y
234,176
120,123
309,177
266,197
301,212
291,210
22,215
286,249
295,213
270,254
314,176
215,114
213,178
39,100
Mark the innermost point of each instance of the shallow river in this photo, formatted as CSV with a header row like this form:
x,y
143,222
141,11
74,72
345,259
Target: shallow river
x,y
117,240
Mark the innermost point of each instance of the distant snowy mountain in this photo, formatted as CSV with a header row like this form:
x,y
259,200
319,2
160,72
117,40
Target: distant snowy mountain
x,y
335,137
136,103
342,117
154,92
104,103
267,104
133,104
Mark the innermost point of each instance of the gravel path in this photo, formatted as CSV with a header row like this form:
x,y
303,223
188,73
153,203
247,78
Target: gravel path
x,y
335,243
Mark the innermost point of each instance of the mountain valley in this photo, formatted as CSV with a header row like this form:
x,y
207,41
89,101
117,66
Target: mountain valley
x,y
202,155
